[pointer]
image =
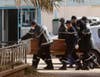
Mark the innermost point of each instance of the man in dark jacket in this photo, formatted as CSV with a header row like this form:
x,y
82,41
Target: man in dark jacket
x,y
84,43
61,29
61,35
71,42
39,33
74,22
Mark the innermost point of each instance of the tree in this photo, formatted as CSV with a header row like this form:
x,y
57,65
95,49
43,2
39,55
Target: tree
x,y
43,4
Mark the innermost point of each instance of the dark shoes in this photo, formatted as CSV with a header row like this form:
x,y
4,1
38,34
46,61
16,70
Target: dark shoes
x,y
70,66
85,68
81,68
63,68
78,68
49,68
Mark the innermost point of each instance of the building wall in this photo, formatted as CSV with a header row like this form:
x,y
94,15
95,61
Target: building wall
x,y
0,25
46,19
12,5
72,7
68,11
79,2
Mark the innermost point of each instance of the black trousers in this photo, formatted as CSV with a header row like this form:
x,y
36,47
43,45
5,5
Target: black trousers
x,y
44,54
69,56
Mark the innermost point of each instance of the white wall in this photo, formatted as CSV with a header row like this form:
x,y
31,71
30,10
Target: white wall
x,y
46,19
68,11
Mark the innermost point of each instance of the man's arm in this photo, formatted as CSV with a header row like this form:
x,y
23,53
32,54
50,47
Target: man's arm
x,y
26,36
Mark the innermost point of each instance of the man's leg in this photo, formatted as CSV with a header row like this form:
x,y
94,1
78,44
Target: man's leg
x,y
85,63
35,61
64,60
47,57
64,63
78,65
49,64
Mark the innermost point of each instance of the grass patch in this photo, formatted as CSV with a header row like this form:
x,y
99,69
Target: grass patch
x,y
31,72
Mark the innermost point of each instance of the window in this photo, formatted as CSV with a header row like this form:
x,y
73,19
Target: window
x,y
95,24
26,16
99,33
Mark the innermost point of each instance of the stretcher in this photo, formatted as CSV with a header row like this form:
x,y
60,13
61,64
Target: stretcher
x,y
58,47
34,45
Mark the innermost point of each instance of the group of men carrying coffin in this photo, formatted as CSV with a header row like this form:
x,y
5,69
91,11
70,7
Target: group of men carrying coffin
x,y
77,38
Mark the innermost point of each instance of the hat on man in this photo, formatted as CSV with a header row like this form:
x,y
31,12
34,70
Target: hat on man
x,y
73,17
84,18
62,20
68,22
33,22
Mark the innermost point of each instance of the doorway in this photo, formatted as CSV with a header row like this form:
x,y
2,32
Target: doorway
x,y
0,25
12,25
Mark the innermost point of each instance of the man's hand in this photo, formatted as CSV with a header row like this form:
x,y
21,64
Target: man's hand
x,y
19,41
76,46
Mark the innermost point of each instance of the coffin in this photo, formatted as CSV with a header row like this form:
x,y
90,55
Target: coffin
x,y
34,44
58,47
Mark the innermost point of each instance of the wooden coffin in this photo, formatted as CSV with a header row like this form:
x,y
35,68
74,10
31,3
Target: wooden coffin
x,y
58,47
34,44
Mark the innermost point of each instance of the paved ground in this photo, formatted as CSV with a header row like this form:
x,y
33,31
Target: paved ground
x,y
70,72
73,73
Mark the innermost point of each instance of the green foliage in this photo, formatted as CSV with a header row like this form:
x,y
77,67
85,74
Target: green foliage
x,y
30,70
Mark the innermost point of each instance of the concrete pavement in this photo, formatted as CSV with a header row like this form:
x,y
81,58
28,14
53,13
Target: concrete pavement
x,y
41,65
70,72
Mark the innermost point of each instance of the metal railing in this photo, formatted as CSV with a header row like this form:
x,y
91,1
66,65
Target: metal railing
x,y
11,56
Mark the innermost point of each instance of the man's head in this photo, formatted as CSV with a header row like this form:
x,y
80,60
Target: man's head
x,y
33,23
73,19
68,24
84,19
62,20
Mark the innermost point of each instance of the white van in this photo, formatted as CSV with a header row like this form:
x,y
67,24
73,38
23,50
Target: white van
x,y
95,34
